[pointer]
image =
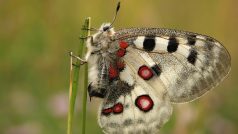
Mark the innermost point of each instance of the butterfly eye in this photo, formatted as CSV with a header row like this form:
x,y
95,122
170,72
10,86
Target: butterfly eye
x,y
106,28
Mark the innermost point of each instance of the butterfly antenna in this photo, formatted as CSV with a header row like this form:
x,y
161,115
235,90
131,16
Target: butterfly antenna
x,y
117,9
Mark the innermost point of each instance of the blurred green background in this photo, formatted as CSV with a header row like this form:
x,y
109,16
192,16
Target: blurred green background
x,y
36,35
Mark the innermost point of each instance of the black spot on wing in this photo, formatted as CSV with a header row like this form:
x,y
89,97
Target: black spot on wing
x,y
149,43
172,45
156,69
191,40
192,57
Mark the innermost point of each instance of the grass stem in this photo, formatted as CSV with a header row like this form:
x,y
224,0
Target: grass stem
x,y
74,78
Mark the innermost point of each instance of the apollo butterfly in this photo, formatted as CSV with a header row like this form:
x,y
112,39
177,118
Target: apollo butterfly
x,y
139,71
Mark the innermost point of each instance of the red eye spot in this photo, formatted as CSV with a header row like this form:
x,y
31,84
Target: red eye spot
x,y
144,103
113,72
117,108
123,44
145,72
107,111
121,52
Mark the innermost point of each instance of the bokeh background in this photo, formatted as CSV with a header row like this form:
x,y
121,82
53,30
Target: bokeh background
x,y
36,35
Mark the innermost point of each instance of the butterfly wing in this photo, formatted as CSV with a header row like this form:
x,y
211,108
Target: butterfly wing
x,y
134,109
184,64
161,65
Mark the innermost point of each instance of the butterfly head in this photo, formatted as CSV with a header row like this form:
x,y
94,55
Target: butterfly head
x,y
99,42
107,28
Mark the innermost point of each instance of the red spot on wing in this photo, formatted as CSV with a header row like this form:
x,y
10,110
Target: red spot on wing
x,y
145,72
144,103
121,52
123,44
117,108
107,111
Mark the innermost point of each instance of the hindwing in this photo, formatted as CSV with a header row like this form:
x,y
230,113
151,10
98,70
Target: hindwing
x,y
140,111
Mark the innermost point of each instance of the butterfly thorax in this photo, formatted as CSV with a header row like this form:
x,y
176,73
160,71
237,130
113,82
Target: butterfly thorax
x,y
101,41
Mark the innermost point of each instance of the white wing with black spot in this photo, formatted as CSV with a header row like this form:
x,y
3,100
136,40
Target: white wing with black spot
x,y
184,64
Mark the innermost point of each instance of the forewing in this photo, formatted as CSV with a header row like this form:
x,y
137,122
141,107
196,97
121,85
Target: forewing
x,y
184,64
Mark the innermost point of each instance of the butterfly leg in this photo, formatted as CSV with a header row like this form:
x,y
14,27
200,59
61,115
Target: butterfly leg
x,y
82,61
89,51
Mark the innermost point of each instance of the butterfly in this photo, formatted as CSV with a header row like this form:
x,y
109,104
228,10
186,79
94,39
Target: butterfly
x,y
140,72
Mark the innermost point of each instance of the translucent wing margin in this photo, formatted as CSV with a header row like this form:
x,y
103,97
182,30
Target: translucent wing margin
x,y
184,64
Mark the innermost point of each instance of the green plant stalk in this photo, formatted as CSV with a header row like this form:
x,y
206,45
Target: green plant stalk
x,y
74,76
84,101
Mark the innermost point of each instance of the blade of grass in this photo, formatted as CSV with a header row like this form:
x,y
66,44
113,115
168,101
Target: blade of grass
x,y
74,76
